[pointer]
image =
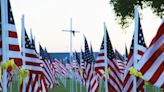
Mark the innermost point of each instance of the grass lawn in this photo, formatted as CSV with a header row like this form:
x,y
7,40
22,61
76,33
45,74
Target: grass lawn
x,y
61,88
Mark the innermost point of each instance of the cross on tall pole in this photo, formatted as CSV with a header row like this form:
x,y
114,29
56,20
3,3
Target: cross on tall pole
x,y
71,31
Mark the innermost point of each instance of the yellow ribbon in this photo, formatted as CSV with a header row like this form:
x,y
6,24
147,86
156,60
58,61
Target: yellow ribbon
x,y
82,71
4,65
135,72
23,74
107,72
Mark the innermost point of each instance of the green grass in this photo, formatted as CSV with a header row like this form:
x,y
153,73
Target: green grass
x,y
61,88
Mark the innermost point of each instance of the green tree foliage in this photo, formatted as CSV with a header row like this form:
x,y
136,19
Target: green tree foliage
x,y
124,9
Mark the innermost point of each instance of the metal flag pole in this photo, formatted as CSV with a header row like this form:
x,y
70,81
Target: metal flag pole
x,y
105,49
23,49
135,45
4,17
71,54
80,73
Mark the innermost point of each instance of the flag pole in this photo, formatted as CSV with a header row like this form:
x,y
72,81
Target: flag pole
x,y
4,17
23,49
80,73
71,51
135,45
105,58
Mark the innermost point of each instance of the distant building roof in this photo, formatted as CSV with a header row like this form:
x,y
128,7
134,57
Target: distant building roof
x,y
65,55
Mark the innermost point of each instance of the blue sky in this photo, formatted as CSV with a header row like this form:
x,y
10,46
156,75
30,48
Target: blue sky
x,y
48,17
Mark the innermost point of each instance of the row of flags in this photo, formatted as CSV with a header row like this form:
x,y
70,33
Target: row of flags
x,y
44,72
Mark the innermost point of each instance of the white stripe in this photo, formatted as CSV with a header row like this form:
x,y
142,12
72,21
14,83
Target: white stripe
x,y
114,85
30,51
150,72
129,64
160,80
35,68
12,27
115,78
36,86
100,58
0,51
43,86
142,48
25,81
47,77
95,86
93,79
35,60
150,52
99,64
88,68
13,41
139,57
14,54
127,85
115,69
139,82
50,74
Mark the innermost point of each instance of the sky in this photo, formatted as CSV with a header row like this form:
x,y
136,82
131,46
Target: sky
x,y
47,19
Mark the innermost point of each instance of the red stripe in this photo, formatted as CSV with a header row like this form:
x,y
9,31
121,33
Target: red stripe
x,y
93,84
101,54
18,61
13,34
34,82
159,34
151,60
32,63
130,88
140,52
0,58
48,75
1,44
36,72
14,47
157,74
47,79
29,82
111,88
100,61
49,69
162,86
114,80
114,71
140,88
31,55
115,66
129,57
126,79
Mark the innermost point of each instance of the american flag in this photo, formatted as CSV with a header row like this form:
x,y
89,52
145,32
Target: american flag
x,y
60,68
128,80
91,78
47,70
13,49
114,81
78,67
83,67
151,64
33,64
120,62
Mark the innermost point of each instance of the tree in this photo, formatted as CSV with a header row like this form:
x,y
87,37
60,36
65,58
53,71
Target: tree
x,y
124,9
